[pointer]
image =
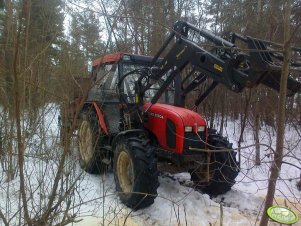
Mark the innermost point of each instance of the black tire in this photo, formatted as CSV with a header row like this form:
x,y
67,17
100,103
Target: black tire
x,y
223,167
90,141
135,172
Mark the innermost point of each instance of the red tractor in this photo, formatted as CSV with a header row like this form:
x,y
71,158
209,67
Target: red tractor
x,y
134,117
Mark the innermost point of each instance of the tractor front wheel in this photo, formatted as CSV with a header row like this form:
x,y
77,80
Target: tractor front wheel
x,y
135,172
223,168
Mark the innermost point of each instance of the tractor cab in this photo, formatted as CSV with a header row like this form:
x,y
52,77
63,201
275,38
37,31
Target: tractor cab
x,y
114,86
110,69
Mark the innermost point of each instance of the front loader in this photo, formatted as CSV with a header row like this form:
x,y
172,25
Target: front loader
x,y
134,117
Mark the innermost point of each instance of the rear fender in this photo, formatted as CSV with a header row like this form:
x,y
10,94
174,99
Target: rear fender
x,y
99,114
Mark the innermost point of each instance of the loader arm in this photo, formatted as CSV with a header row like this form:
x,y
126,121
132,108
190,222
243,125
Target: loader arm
x,y
228,65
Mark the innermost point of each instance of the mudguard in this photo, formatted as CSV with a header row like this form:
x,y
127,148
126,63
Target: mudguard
x,y
99,114
127,133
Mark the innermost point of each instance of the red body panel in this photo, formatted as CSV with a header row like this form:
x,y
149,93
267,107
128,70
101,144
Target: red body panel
x,y
156,123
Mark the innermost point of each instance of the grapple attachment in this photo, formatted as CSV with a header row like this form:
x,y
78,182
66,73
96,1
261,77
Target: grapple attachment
x,y
208,56
266,64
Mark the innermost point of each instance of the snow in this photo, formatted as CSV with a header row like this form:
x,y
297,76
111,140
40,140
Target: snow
x,y
96,203
175,205
181,205
254,179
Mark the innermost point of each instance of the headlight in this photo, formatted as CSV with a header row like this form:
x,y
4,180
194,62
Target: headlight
x,y
188,129
201,128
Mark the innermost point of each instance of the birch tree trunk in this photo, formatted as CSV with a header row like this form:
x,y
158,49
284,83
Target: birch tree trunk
x,y
278,156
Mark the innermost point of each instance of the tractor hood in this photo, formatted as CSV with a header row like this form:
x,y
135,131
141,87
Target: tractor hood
x,y
188,117
168,124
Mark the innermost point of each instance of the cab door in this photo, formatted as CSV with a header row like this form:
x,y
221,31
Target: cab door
x,y
104,92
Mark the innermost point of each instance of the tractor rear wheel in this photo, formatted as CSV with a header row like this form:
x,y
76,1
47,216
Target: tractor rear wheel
x,y
135,172
89,139
223,167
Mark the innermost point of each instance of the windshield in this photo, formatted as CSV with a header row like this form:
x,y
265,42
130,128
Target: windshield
x,y
129,86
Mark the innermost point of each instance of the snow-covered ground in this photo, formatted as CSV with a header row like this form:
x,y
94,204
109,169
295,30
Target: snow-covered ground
x,y
96,203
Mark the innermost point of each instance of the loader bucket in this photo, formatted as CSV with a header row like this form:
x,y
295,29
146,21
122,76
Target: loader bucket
x,y
266,66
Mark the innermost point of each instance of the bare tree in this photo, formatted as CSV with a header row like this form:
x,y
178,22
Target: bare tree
x,y
278,155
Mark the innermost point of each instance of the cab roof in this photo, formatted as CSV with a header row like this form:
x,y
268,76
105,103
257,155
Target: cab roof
x,y
115,57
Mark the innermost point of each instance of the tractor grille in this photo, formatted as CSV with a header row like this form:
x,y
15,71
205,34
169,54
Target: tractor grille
x,y
170,133
193,140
